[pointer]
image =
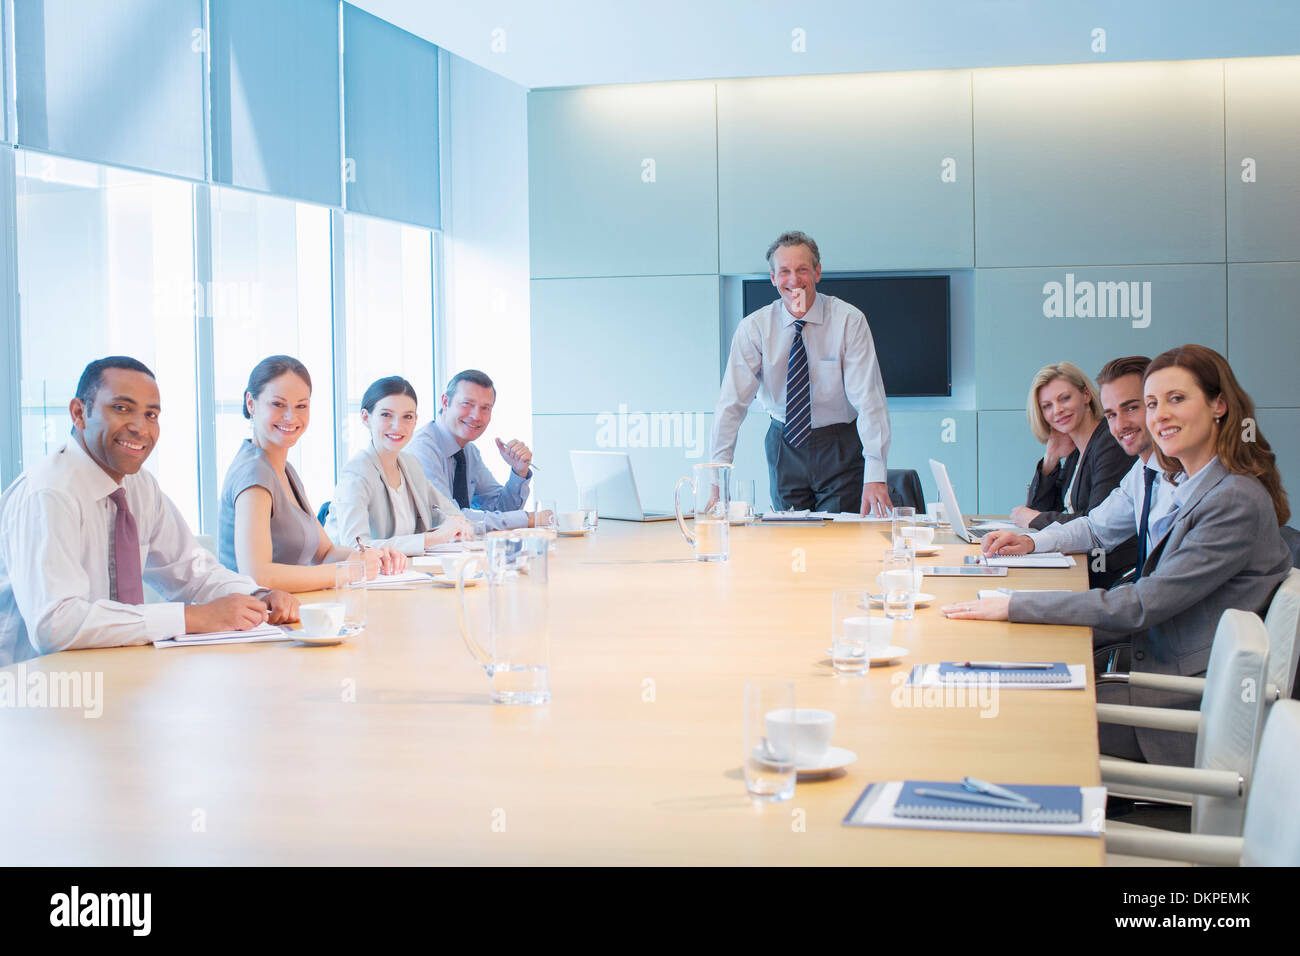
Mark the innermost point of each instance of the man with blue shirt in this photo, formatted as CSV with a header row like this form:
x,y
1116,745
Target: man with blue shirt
x,y
445,449
811,361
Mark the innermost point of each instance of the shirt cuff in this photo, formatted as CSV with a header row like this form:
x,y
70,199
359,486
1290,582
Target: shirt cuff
x,y
873,470
163,621
511,520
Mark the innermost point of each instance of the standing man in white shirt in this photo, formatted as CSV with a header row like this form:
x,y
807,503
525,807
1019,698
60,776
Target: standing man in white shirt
x,y
453,465
811,360
1143,497
83,530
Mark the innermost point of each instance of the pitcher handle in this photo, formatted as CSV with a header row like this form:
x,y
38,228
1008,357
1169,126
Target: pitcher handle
x,y
466,632
677,506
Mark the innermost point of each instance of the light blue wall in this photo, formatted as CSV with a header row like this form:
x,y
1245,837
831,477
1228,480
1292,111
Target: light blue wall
x,y
1071,174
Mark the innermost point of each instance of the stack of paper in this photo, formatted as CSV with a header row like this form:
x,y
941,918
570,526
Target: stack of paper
x,y
1039,559
263,632
406,579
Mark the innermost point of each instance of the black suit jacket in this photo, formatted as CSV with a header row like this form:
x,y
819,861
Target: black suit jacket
x,y
1101,467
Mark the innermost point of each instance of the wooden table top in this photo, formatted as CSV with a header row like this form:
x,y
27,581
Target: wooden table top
x,y
386,749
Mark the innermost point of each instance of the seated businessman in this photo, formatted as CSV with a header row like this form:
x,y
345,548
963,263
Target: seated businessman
x,y
82,531
446,452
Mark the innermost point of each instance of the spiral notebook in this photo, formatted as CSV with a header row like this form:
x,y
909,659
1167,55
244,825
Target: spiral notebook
x,y
1056,804
876,807
1058,673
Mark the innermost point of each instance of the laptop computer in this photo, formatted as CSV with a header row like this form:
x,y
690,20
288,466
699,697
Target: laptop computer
x,y
610,473
971,533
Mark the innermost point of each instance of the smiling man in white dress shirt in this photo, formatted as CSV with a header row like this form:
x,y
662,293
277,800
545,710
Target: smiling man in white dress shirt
x,y
811,361
84,529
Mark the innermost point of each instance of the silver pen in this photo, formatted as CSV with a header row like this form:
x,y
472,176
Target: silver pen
x,y
993,790
965,796
1008,665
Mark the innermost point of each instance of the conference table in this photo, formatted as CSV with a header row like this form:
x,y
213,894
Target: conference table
x,y
387,750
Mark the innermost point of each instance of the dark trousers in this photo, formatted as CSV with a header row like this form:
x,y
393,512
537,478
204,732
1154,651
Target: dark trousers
x,y
824,475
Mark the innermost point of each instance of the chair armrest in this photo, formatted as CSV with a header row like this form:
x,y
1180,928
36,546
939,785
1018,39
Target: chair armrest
x,y
1192,686
1211,783
1155,718
1186,847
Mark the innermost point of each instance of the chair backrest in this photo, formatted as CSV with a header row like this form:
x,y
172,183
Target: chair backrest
x,y
323,513
1232,714
1283,623
1292,538
1272,831
905,489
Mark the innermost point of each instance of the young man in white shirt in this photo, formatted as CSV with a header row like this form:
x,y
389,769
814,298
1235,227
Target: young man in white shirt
x,y
811,361
84,529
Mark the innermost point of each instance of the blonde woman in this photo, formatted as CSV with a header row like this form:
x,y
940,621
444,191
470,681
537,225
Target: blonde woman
x,y
1082,463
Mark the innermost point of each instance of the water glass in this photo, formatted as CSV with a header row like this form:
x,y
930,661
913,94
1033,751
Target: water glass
x,y
850,632
898,581
588,505
903,520
550,508
769,776
741,507
350,591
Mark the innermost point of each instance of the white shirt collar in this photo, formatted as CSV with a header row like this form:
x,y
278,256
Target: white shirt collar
x,y
88,471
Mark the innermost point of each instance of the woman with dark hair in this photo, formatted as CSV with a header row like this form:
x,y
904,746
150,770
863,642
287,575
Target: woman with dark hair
x,y
268,529
383,496
1219,546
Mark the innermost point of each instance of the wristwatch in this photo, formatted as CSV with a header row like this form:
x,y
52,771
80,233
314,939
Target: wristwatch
x,y
261,593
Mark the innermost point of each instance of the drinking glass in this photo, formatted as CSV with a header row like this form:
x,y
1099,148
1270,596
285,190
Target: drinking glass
x,y
769,776
350,591
898,582
587,505
547,506
742,501
850,632
903,519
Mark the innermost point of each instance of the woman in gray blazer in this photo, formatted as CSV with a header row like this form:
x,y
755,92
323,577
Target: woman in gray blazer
x,y
1219,547
383,497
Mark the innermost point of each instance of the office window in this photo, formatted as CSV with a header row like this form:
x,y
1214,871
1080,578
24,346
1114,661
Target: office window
x,y
271,294
105,267
389,293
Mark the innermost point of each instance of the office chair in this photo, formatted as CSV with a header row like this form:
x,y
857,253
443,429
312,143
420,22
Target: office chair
x,y
1292,538
323,513
905,489
1271,834
1227,727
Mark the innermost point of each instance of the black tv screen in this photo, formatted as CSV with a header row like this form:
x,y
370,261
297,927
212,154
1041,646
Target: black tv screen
x,y
908,316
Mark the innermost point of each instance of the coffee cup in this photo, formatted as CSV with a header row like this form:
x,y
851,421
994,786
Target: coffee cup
x,y
875,632
917,577
571,520
921,537
802,730
321,620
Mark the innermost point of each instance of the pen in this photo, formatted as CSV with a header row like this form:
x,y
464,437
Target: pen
x,y
965,796
1007,665
993,790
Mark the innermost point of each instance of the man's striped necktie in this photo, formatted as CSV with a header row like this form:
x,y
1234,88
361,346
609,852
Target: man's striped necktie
x,y
798,397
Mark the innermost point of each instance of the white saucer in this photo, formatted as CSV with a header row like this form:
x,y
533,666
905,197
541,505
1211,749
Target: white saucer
x,y
929,552
442,581
833,759
574,534
922,599
892,653
339,638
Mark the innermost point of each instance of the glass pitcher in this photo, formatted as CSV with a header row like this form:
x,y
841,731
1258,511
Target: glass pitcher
x,y
712,488
517,657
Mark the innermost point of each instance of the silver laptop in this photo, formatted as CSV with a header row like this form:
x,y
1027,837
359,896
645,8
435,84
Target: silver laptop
x,y
610,473
949,499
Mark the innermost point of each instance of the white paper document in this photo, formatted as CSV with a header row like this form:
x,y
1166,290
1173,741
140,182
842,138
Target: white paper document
x,y
406,579
263,632
1041,559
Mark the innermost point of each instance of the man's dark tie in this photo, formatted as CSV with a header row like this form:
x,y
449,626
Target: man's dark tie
x,y
798,398
1149,478
126,552
460,480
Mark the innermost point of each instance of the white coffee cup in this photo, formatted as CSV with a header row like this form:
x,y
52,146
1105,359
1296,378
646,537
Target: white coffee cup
x,y
810,731
451,564
571,520
321,620
922,537
875,632
917,577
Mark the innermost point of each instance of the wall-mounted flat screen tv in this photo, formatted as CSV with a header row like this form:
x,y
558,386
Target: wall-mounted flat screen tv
x,y
909,320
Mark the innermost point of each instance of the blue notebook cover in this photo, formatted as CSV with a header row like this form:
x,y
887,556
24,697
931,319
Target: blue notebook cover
x,y
1058,804
1058,673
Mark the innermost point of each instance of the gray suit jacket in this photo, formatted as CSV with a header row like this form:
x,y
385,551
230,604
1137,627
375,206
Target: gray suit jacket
x,y
362,508
1223,550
